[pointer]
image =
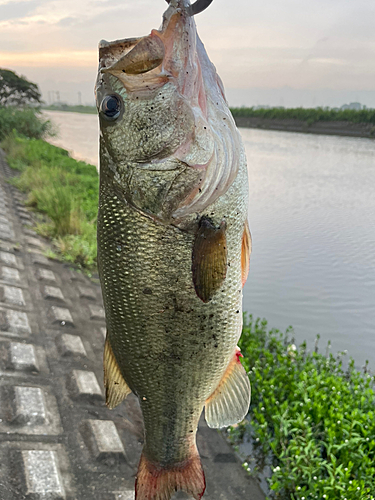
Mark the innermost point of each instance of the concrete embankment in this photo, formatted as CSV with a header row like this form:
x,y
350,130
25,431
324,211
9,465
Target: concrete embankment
x,y
57,438
320,127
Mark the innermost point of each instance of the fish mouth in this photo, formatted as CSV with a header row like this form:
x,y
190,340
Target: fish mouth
x,y
152,60
141,55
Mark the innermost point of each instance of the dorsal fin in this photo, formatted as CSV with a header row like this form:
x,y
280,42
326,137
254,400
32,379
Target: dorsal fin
x,y
209,258
230,402
116,389
245,252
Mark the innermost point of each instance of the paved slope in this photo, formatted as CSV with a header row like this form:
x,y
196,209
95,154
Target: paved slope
x,y
58,441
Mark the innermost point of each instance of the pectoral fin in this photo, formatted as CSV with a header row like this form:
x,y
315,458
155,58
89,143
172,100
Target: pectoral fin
x,y
209,259
116,389
245,252
230,402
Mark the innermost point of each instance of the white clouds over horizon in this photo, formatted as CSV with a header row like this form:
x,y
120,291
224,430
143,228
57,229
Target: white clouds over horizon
x,y
273,43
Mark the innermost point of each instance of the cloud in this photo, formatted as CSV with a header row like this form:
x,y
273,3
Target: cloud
x,y
18,10
63,59
66,21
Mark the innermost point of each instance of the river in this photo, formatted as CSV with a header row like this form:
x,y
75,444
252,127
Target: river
x,y
312,218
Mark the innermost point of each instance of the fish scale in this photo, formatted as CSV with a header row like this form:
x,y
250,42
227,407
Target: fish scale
x,y
168,338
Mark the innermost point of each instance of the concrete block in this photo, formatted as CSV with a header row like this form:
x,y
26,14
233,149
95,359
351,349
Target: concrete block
x,y
103,331
46,275
8,259
34,242
96,312
74,275
86,293
28,407
40,259
12,295
10,274
103,440
22,357
21,208
124,495
30,232
53,293
18,322
71,345
62,316
6,229
85,385
42,475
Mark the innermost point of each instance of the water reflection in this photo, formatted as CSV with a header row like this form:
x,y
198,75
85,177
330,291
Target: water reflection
x,y
312,212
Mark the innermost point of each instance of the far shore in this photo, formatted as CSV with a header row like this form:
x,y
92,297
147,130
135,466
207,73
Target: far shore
x,y
325,127
342,128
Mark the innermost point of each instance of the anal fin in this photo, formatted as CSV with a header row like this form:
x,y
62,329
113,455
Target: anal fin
x,y
230,401
116,389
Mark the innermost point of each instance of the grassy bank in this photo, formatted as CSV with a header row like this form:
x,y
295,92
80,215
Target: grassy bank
x,y
313,419
308,115
73,109
63,191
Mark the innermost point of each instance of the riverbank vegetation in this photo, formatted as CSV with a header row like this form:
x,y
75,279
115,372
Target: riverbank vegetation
x,y
311,418
27,122
63,190
308,115
80,108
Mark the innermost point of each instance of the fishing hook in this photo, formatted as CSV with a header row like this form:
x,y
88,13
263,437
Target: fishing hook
x,y
197,7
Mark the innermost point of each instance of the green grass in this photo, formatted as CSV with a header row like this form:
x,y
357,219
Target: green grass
x,y
309,115
27,122
64,190
74,109
315,419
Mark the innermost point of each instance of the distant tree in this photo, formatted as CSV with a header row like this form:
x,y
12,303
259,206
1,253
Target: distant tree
x,y
17,91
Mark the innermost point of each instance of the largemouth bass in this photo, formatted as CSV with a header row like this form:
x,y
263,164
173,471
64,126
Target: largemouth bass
x,y
173,245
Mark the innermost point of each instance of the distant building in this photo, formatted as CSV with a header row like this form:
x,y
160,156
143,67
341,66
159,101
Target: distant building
x,y
353,105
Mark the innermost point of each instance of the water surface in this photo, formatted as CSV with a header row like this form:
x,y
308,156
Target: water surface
x,y
312,213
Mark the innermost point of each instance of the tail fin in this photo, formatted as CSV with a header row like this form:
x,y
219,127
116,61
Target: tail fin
x,y
157,483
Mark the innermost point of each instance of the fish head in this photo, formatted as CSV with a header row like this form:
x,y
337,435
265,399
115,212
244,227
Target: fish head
x,y
166,130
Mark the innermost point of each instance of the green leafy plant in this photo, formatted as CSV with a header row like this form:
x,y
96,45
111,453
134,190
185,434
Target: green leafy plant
x,y
313,418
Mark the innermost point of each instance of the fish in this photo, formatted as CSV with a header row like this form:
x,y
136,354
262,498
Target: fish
x,y
173,245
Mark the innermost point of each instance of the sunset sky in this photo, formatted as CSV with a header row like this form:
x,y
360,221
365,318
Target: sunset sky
x,y
311,52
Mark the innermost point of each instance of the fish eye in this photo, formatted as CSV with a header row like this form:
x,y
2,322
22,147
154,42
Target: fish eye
x,y
111,107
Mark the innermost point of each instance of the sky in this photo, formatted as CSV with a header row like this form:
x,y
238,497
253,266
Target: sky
x,y
268,52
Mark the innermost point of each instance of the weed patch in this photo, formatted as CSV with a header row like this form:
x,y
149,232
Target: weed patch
x,y
315,419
